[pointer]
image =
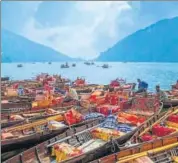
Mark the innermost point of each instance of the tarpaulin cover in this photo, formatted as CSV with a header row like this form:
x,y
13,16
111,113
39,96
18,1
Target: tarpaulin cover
x,y
161,130
173,118
130,118
65,151
73,117
107,109
145,104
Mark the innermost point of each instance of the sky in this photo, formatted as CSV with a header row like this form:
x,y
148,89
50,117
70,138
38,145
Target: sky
x,y
82,29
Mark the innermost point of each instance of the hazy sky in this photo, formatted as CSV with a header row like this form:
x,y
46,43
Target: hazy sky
x,y
82,28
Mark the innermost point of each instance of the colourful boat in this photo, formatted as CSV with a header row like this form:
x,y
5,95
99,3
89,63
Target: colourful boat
x,y
40,130
161,125
156,151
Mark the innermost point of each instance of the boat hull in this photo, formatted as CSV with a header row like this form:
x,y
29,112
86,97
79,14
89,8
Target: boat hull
x,y
169,104
23,142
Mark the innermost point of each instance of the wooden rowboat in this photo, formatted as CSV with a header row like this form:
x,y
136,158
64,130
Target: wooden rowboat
x,y
157,151
11,106
4,78
147,129
38,152
171,103
18,136
37,131
19,107
8,120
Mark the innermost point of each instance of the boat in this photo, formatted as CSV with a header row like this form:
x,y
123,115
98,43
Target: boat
x,y
175,86
47,102
160,125
17,136
155,151
119,83
4,78
172,99
37,152
73,65
19,65
87,63
30,107
65,65
5,156
171,103
105,66
12,119
15,106
49,63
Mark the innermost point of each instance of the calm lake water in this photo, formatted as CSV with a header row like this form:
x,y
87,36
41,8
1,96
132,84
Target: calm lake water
x,y
164,74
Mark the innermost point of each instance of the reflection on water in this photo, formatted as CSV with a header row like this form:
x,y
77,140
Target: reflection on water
x,y
164,74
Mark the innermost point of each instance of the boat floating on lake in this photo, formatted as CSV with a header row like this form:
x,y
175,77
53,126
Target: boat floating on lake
x,y
73,65
105,66
65,65
19,65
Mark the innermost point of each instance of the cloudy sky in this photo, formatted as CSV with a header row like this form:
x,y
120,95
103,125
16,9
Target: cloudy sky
x,y
82,28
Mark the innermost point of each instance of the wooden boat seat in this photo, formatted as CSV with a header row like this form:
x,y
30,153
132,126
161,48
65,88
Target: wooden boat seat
x,y
73,141
164,156
70,132
52,140
84,137
79,129
61,136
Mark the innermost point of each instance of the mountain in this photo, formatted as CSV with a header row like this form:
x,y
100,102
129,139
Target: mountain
x,y
16,48
156,43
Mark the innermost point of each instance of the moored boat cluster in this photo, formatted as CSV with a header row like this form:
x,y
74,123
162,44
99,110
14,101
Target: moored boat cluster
x,y
53,119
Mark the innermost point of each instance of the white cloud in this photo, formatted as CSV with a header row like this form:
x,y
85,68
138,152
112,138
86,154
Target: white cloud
x,y
80,39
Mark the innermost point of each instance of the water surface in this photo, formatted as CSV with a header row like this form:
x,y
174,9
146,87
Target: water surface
x,y
164,74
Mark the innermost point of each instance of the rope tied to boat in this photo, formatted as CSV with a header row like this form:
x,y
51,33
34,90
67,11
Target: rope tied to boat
x,y
115,145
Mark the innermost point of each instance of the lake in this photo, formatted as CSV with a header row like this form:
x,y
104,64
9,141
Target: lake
x,y
164,74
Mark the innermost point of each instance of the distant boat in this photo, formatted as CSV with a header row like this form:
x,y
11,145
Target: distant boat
x,y
4,78
19,65
33,63
73,65
87,63
65,65
105,66
49,63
